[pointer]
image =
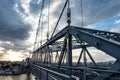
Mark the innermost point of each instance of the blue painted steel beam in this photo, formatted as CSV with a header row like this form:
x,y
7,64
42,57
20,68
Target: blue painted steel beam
x,y
105,41
109,35
109,46
69,54
62,52
53,39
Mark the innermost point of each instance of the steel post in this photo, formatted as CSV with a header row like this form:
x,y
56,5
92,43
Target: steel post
x,y
69,54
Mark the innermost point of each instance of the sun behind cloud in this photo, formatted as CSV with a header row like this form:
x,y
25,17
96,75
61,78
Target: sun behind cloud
x,y
13,56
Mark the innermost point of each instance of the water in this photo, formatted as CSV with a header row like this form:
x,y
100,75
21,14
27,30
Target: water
x,y
18,77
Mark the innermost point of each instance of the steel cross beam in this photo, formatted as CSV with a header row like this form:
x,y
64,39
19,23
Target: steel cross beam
x,y
52,42
97,34
98,41
111,47
53,39
58,46
108,42
106,34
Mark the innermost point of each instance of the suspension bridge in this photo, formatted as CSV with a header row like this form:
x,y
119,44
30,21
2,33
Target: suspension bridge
x,y
53,59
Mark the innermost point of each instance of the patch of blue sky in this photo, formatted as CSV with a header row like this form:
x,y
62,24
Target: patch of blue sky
x,y
107,25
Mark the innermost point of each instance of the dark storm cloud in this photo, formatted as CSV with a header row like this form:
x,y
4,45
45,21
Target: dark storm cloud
x,y
20,8
93,10
96,10
13,28
35,7
15,46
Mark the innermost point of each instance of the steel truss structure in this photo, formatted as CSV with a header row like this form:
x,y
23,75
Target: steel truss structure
x,y
53,60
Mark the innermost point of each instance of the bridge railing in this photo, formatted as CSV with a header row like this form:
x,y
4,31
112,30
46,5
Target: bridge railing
x,y
43,73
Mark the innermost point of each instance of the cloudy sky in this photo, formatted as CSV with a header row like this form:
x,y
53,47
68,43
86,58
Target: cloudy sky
x,y
19,20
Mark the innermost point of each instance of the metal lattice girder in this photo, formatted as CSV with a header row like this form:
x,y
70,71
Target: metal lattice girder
x,y
106,34
109,46
53,39
54,49
79,57
57,47
62,52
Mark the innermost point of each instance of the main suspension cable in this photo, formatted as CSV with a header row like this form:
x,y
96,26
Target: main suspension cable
x,y
38,24
42,21
48,19
84,53
82,14
59,18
